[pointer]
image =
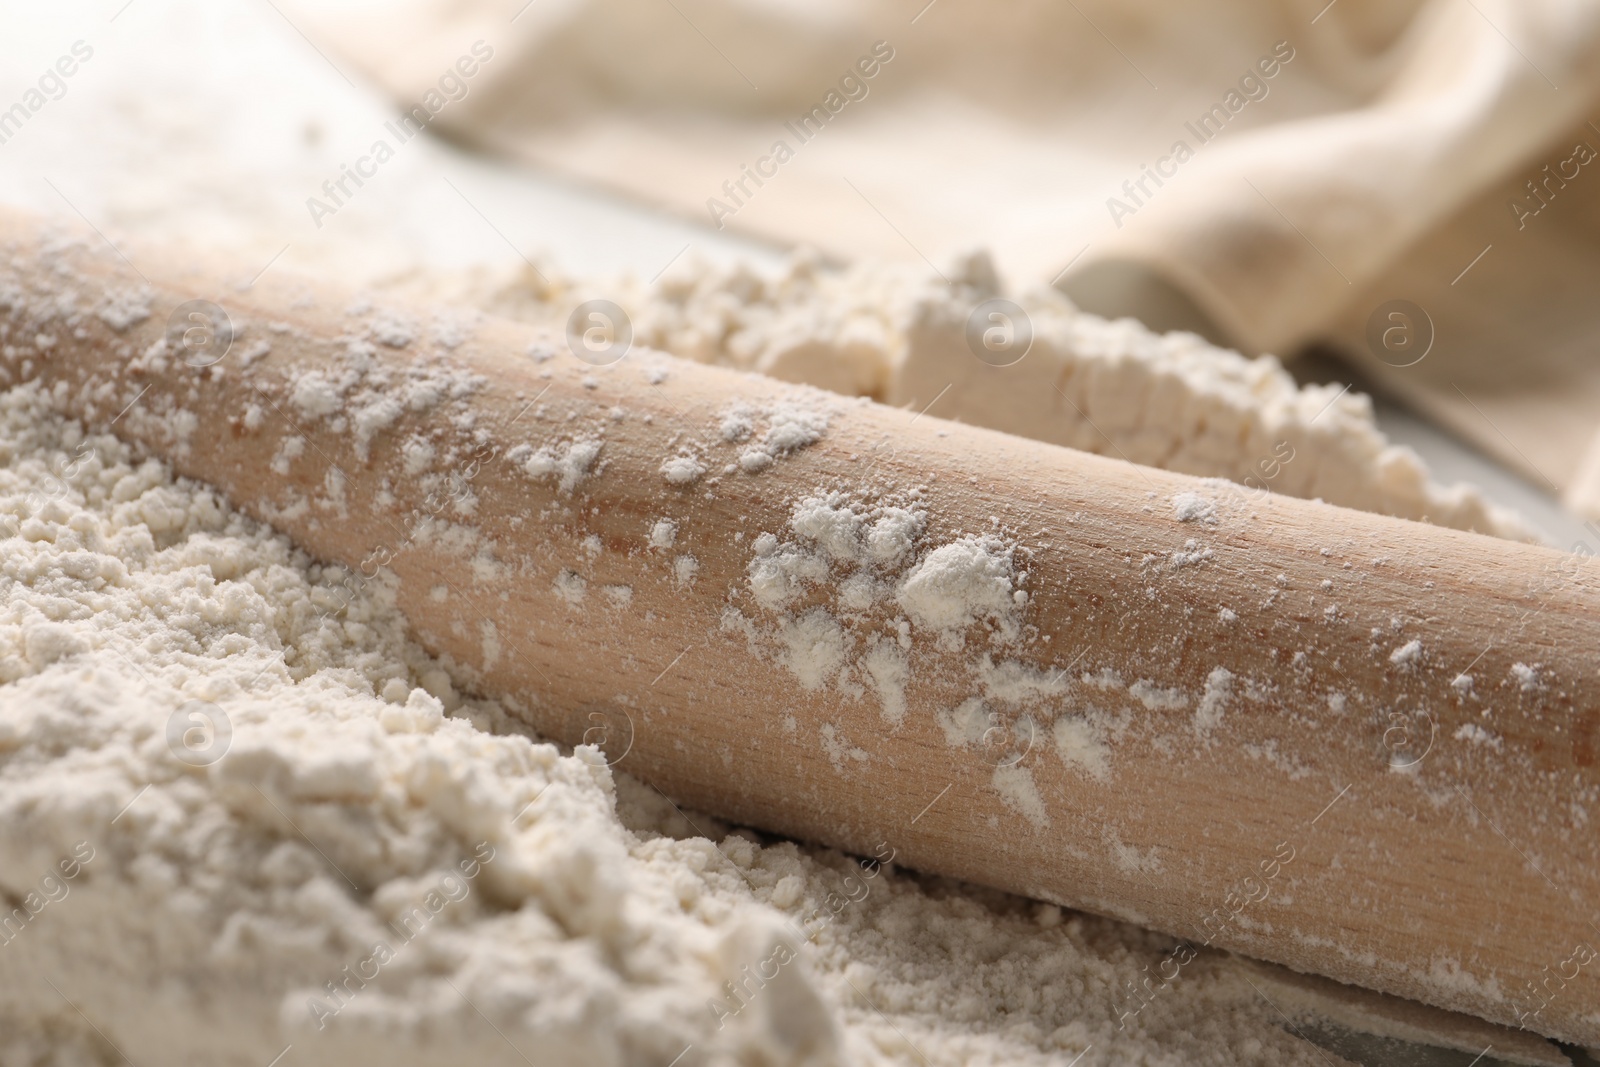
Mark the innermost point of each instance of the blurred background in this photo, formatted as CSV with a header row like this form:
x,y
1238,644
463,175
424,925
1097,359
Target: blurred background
x,y
1337,157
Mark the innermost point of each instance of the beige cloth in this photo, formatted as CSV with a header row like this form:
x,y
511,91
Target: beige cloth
x,y
1336,156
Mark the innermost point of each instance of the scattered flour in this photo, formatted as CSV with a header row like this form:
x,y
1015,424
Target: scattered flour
x,y
863,559
1214,701
961,584
896,332
814,646
358,396
1407,656
1526,677
1155,698
848,589
965,724
571,587
1015,785
1105,679
125,308
683,470
1079,745
791,426
1469,731
1191,554
567,463
392,329
840,752
887,672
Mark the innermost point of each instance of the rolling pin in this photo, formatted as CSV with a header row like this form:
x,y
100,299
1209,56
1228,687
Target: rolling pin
x,y
1357,746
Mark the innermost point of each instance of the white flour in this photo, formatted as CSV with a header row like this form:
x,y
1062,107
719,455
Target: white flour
x,y
378,870
897,333
853,586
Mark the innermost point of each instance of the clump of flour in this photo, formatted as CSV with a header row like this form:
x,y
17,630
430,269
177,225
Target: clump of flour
x,y
847,553
861,560
853,588
359,395
1192,507
1214,701
682,470
960,584
790,425
567,464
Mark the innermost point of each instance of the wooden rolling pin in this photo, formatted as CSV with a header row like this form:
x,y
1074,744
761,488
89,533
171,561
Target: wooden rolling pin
x,y
1361,747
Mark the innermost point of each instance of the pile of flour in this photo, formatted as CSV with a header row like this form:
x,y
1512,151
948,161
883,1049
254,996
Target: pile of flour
x,y
238,824
901,334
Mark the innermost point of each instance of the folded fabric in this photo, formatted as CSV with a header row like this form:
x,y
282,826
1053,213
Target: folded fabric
x,y
1271,173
